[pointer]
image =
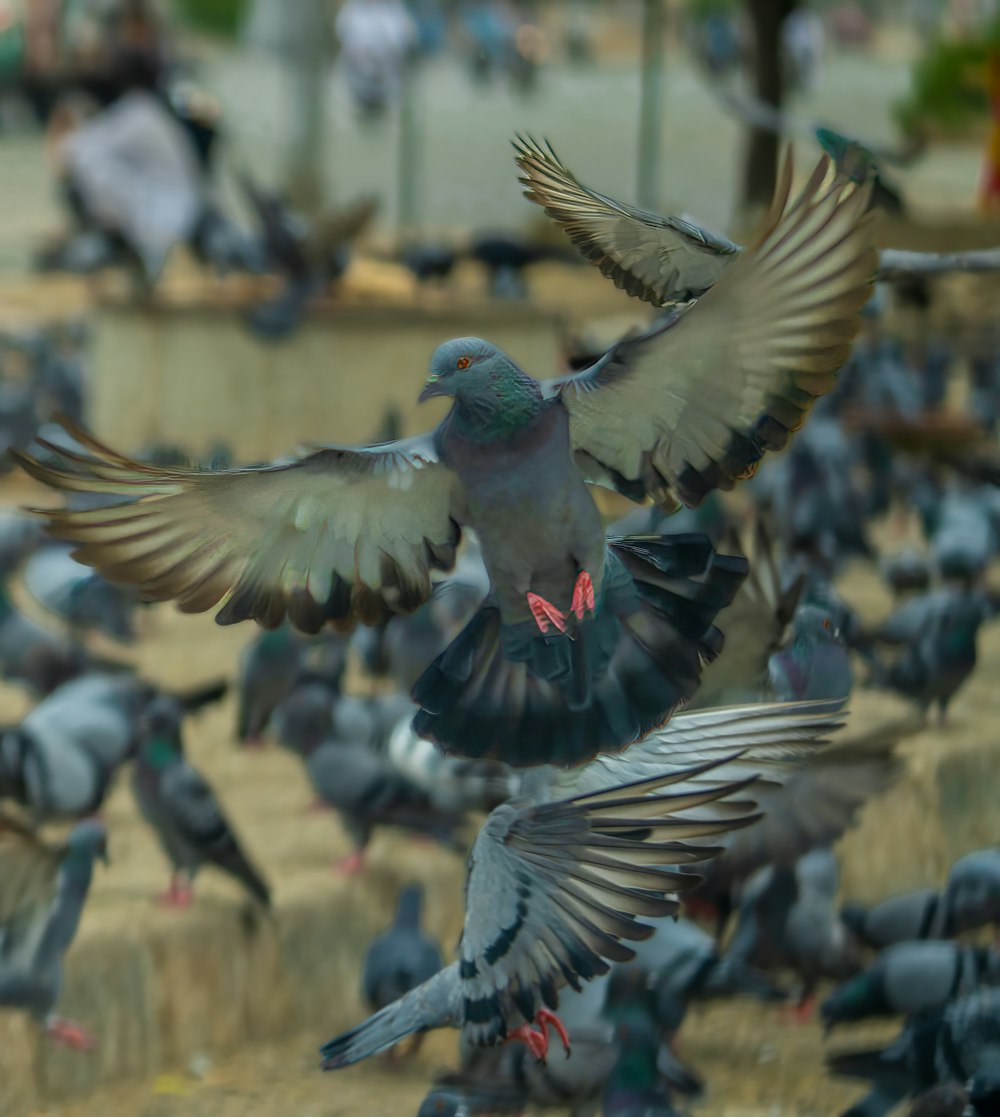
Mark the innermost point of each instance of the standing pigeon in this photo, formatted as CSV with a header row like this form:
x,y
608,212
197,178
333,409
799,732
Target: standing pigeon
x,y
42,894
552,890
582,644
635,1087
359,783
911,977
401,958
176,800
815,664
268,669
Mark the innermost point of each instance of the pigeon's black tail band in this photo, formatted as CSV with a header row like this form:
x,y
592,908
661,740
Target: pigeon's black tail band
x,y
558,699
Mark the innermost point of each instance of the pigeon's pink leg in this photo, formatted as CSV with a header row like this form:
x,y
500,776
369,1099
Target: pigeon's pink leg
x,y
802,1013
254,743
536,1042
583,596
546,614
545,1020
180,894
318,806
70,1034
351,865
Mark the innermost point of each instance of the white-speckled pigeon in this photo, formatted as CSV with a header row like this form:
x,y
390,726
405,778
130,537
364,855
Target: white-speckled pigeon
x,y
552,891
180,805
582,645
42,893
358,782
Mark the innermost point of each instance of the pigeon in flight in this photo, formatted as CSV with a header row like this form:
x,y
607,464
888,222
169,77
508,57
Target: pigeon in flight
x,y
582,644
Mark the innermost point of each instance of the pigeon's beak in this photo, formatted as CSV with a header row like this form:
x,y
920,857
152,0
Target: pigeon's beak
x,y
433,387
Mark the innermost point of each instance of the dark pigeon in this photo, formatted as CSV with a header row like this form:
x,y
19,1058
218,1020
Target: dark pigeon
x,y
180,805
269,667
815,664
583,644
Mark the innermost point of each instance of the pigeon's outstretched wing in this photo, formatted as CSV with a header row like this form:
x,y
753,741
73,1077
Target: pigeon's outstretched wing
x,y
339,535
694,404
662,260
554,889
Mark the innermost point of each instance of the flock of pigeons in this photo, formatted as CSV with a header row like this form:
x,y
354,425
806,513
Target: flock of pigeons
x,y
645,720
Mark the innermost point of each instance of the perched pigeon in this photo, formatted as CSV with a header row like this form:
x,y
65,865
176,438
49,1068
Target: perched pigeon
x,y
582,644
788,918
60,761
269,667
937,637
635,1086
552,890
177,801
960,1044
912,977
42,893
401,958
83,599
356,781
815,664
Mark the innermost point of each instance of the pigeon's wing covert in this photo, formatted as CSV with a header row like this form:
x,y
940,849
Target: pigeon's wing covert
x,y
554,889
339,535
659,259
693,404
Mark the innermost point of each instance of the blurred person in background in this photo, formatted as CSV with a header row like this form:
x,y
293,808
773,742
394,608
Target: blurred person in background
x,y
41,55
719,44
803,41
490,28
376,39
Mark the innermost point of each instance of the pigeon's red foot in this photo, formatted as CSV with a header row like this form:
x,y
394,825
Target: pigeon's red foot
x,y
351,865
537,1039
802,1013
536,1042
254,742
318,806
70,1034
546,614
583,596
180,894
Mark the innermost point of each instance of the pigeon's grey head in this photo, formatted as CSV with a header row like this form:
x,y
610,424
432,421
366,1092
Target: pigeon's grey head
x,y
88,841
444,1102
411,901
304,719
973,891
816,625
162,719
467,365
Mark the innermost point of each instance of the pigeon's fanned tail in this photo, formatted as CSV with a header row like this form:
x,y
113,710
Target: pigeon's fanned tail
x,y
561,699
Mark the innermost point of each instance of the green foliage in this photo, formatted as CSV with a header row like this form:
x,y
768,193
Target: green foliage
x,y
949,87
217,17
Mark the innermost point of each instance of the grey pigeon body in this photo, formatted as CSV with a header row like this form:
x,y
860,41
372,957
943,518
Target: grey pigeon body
x,y
78,596
42,896
59,762
582,645
269,667
401,958
918,914
815,664
359,783
180,805
912,977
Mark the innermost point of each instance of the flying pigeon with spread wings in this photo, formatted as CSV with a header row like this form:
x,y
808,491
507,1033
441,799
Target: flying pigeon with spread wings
x,y
582,644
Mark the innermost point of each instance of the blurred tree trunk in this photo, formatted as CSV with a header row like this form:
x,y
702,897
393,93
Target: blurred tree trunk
x,y
760,174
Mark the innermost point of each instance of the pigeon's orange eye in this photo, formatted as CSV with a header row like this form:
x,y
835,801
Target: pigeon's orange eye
x,y
826,623
462,362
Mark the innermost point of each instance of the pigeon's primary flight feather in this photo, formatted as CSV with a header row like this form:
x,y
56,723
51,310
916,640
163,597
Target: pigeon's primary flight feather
x,y
582,645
